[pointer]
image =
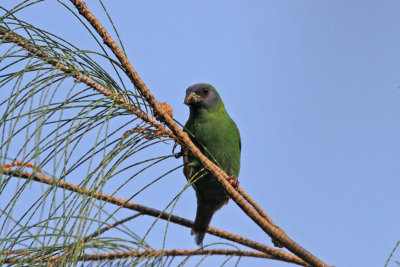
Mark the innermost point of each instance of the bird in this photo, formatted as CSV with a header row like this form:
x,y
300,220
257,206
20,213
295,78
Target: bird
x,y
213,131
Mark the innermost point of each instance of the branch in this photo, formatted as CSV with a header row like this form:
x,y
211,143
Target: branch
x,y
273,253
144,254
176,252
162,115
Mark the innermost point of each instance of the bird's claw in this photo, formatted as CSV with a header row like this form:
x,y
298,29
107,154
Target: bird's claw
x,y
233,181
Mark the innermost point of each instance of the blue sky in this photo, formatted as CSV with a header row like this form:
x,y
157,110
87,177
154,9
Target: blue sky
x,y
313,88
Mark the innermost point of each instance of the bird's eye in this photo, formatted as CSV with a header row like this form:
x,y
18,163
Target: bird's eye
x,y
205,90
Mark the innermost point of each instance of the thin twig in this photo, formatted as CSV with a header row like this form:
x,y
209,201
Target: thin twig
x,y
101,231
276,254
162,115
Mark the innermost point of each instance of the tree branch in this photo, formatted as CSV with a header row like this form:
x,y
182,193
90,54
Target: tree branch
x,y
145,254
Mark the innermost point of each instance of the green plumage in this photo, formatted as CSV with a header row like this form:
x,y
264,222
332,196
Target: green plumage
x,y
217,136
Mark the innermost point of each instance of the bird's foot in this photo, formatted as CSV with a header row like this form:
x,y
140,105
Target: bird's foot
x,y
233,181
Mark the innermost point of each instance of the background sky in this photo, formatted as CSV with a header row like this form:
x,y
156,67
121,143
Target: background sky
x,y
313,88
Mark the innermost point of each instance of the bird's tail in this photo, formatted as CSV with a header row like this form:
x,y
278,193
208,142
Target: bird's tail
x,y
204,213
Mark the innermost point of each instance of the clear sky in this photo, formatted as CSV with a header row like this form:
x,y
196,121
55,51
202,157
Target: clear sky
x,y
313,88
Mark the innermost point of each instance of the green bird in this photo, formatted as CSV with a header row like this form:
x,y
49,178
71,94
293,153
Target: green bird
x,y
214,132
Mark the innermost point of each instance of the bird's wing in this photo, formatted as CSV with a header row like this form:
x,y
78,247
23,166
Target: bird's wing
x,y
240,139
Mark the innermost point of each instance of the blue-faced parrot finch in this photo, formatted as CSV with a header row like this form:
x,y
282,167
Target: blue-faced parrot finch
x,y
217,136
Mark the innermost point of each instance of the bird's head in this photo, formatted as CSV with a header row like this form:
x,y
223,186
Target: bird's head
x,y
202,95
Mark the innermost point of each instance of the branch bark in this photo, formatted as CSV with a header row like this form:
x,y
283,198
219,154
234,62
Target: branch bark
x,y
144,254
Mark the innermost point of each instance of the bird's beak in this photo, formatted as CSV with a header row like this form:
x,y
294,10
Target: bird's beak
x,y
187,100
192,98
